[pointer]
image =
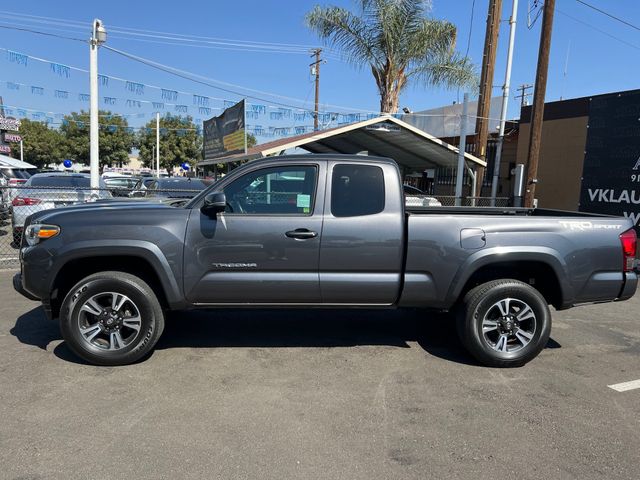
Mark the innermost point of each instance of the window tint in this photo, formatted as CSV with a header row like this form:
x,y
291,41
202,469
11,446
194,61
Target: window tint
x,y
60,181
119,182
19,173
278,190
357,190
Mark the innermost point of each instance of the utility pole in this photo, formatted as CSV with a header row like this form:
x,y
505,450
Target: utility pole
x,y
461,149
505,101
486,84
315,70
523,94
537,112
98,37
158,144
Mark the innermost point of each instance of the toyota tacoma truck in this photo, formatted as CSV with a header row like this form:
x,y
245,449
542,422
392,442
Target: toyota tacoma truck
x,y
326,231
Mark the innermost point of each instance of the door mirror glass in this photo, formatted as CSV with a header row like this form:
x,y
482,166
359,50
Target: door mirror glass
x,y
213,203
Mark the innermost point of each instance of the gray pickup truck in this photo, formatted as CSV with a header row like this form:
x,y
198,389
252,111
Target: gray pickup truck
x,y
318,231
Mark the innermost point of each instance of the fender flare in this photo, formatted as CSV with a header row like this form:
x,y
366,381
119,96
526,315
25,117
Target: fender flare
x,y
494,255
129,248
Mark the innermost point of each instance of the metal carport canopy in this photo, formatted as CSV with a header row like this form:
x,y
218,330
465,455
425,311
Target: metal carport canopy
x,y
384,136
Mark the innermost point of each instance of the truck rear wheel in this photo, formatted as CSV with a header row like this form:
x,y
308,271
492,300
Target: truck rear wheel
x,y
111,318
504,323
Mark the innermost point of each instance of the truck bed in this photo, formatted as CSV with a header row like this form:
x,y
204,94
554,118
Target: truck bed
x,y
514,211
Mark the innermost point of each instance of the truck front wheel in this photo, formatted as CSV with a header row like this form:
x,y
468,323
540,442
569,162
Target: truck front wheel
x,y
111,318
504,323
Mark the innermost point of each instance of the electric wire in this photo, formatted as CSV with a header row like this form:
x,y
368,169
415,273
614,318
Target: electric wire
x,y
609,15
598,29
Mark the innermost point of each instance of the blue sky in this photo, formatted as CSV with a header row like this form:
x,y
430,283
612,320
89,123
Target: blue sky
x,y
596,64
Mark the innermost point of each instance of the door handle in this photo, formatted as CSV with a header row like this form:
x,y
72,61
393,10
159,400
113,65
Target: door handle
x,y
301,233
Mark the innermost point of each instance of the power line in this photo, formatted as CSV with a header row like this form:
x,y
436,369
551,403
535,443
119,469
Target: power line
x,y
473,5
598,29
609,15
185,75
206,81
159,35
8,27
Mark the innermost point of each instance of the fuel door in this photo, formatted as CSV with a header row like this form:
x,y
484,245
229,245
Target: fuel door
x,y
472,238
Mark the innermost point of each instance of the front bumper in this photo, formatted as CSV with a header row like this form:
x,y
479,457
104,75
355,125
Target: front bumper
x,y
19,287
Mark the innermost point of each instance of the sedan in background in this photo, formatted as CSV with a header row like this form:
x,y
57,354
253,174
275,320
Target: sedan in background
x,y
44,191
414,197
139,189
176,187
120,186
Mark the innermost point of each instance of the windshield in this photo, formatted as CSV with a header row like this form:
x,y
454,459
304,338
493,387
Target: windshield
x,y
19,173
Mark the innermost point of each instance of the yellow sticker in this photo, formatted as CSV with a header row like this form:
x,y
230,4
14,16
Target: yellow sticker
x,y
305,210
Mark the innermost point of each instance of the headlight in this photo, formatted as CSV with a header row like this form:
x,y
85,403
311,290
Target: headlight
x,y
36,232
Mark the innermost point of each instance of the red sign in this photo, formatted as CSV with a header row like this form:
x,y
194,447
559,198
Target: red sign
x,y
12,137
5,149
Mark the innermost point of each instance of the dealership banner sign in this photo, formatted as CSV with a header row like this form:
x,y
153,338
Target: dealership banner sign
x,y
225,135
611,172
9,123
12,137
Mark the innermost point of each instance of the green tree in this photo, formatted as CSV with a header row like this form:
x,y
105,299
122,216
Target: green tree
x,y
115,137
41,145
398,41
179,142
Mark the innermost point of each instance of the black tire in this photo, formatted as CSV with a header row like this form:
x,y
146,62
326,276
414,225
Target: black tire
x,y
485,304
144,311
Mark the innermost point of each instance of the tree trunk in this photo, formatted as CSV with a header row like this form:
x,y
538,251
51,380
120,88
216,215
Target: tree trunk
x,y
389,101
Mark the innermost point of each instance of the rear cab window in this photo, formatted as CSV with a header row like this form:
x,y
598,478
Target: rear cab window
x,y
357,190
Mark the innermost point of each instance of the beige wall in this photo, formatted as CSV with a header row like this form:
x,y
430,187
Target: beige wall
x,y
561,160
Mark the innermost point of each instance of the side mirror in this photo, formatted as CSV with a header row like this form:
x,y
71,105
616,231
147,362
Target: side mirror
x,y
214,203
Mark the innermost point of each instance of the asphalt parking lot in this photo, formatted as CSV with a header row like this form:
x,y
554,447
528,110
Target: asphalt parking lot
x,y
319,394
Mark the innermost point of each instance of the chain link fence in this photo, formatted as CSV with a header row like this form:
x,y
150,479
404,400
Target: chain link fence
x,y
450,201
18,202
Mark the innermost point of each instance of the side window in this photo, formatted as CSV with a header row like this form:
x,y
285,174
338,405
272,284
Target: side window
x,y
273,191
357,190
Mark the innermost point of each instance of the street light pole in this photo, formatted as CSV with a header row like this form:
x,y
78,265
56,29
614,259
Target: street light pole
x,y
98,37
158,144
505,100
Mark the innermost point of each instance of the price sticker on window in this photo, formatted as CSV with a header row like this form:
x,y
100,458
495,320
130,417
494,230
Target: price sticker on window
x,y
303,201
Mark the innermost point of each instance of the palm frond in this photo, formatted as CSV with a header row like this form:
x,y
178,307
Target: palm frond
x,y
348,33
447,70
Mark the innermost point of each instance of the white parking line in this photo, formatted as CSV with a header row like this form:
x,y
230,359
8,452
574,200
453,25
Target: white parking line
x,y
623,387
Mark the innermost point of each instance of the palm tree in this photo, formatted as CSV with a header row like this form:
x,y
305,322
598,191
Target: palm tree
x,y
398,41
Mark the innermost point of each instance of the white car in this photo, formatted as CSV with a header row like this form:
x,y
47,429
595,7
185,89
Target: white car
x,y
414,197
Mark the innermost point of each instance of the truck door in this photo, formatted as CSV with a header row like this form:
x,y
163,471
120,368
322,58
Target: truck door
x,y
264,248
361,250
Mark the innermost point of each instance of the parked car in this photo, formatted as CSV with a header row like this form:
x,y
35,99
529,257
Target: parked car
x,y
110,272
120,186
15,173
414,197
176,187
5,203
139,189
44,191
